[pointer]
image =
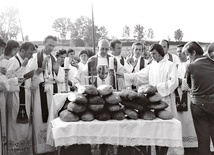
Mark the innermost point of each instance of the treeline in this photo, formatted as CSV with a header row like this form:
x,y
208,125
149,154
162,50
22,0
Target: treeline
x,y
126,43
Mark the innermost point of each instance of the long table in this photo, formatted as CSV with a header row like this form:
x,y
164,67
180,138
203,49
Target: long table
x,y
127,132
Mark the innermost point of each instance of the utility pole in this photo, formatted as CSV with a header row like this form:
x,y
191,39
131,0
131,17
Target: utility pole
x,y
21,27
93,34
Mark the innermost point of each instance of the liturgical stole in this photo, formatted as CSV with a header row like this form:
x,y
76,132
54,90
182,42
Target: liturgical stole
x,y
22,114
43,94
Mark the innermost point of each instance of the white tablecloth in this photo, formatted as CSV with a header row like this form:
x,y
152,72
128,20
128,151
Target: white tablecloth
x,y
126,132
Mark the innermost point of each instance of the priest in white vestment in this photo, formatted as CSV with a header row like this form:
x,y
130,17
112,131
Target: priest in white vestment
x,y
101,58
161,73
19,103
43,94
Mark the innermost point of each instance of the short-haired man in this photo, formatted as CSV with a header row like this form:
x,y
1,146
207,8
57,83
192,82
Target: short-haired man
x,y
200,73
171,57
43,94
102,57
161,73
123,64
138,61
19,101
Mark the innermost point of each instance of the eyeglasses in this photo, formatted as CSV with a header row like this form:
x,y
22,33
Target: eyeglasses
x,y
138,49
106,49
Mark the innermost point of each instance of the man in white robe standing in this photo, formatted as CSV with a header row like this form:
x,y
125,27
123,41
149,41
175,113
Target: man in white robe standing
x,y
101,58
19,102
161,73
43,94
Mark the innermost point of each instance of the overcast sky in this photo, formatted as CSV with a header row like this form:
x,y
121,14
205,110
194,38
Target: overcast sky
x,y
193,17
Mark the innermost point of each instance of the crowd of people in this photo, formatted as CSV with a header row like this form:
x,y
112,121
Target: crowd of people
x,y
30,77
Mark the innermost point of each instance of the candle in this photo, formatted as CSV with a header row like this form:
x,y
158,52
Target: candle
x,y
66,63
111,63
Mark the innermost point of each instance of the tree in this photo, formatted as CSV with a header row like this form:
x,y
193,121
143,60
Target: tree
x,y
178,35
61,25
139,32
82,29
126,32
150,33
9,28
102,32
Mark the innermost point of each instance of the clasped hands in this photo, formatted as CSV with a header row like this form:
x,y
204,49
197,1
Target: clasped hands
x,y
45,62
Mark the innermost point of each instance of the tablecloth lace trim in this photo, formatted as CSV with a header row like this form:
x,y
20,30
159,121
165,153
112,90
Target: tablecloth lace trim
x,y
116,141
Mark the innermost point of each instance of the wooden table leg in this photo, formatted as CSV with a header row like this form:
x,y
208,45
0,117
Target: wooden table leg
x,y
161,150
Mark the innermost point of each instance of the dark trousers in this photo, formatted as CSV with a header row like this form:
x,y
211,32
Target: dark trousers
x,y
203,117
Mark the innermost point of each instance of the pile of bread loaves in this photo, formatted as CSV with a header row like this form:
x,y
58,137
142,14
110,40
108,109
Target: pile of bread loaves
x,y
103,103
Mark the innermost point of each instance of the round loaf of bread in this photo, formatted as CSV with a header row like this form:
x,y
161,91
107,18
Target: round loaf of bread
x,y
88,89
105,89
78,98
76,108
146,114
128,94
96,107
141,100
147,89
118,115
103,116
87,116
131,113
67,116
132,105
158,105
95,100
115,107
164,114
155,98
113,98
